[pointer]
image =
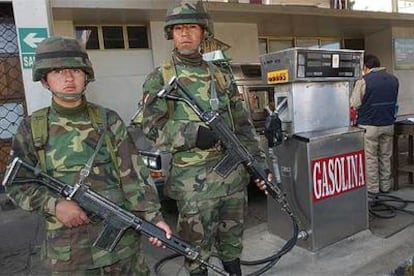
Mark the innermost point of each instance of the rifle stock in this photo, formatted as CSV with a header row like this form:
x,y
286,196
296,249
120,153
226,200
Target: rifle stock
x,y
116,219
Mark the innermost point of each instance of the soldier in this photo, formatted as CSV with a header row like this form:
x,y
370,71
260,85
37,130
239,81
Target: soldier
x,y
63,139
211,208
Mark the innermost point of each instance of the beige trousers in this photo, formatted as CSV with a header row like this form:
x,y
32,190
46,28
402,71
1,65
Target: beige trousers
x,y
378,153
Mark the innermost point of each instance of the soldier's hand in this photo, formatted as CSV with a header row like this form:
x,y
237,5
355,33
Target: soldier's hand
x,y
261,184
70,214
164,226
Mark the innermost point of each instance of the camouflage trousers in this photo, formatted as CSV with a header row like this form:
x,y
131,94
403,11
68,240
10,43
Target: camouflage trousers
x,y
132,266
378,153
217,221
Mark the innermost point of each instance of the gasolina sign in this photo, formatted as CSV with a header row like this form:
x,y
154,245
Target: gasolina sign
x,y
335,175
29,39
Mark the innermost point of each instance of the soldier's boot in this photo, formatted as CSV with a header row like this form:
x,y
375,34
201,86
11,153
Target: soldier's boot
x,y
233,267
202,272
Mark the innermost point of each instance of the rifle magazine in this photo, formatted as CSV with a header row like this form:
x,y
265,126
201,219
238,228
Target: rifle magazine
x,y
109,237
226,165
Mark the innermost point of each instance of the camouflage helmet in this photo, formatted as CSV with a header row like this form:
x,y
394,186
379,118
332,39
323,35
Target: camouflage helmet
x,y
187,12
59,53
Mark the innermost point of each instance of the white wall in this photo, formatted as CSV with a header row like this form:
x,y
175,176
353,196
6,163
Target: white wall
x,y
161,47
63,28
119,78
243,39
384,53
405,94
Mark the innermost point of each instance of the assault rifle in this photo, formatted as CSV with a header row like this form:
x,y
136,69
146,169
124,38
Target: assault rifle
x,y
235,152
116,219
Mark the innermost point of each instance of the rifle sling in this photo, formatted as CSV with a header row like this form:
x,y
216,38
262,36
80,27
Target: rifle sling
x,y
86,170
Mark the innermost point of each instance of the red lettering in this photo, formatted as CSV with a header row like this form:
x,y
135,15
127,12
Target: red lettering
x,y
335,175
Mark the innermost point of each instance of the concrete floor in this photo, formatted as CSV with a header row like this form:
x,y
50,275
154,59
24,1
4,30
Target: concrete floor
x,y
365,253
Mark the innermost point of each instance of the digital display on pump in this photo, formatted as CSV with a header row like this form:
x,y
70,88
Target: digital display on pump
x,y
328,64
311,64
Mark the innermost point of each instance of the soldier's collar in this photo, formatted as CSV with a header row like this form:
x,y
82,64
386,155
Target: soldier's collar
x,y
70,111
193,59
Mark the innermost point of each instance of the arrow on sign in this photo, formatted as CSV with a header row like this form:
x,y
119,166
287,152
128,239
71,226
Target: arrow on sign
x,y
32,40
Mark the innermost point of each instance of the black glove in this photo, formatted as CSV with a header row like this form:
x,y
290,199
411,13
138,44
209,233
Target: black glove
x,y
206,138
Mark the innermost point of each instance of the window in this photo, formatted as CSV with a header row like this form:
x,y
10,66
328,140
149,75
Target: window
x,y
268,45
113,37
273,44
280,44
90,34
330,44
137,37
354,43
405,6
307,42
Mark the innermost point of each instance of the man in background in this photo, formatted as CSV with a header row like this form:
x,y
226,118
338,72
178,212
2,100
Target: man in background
x,y
374,97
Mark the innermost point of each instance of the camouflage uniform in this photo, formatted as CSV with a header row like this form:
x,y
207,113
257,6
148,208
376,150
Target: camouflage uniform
x,y
211,208
72,139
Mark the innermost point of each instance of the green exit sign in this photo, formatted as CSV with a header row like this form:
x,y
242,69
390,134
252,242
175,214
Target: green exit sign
x,y
29,39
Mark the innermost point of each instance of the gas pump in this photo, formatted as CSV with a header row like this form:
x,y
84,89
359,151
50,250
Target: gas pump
x,y
321,160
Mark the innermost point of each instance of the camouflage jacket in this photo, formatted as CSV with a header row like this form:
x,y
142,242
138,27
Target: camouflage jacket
x,y
191,174
71,141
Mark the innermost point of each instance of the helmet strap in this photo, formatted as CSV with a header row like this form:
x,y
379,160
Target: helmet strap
x,y
73,97
188,52
201,48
